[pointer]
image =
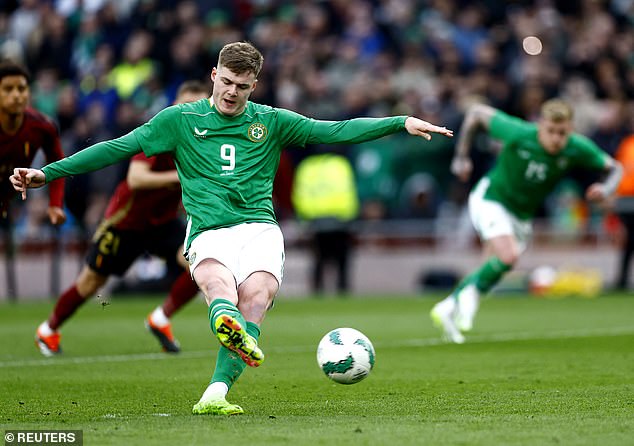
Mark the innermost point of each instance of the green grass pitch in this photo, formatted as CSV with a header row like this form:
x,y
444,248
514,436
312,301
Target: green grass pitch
x,y
533,372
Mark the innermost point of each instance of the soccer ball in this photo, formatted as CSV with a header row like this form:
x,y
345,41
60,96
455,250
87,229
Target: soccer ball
x,y
345,355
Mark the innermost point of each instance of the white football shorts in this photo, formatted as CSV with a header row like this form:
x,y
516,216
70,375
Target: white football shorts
x,y
244,249
491,219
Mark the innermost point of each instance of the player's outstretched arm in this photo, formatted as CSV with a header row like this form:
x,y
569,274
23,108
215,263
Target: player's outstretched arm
x,y
418,127
24,178
478,116
604,189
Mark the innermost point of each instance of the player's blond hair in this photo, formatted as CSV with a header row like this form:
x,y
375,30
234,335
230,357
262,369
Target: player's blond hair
x,y
557,110
192,86
241,57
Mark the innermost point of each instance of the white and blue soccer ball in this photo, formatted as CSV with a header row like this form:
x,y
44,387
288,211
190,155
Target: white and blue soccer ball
x,y
345,355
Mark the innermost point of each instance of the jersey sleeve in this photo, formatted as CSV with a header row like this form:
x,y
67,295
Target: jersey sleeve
x,y
300,130
160,134
354,131
508,128
294,128
53,152
589,155
93,158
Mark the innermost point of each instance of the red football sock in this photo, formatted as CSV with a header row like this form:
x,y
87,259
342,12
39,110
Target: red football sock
x,y
183,290
66,305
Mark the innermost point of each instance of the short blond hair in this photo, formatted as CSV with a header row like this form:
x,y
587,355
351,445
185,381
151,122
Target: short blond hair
x,y
557,110
241,57
192,86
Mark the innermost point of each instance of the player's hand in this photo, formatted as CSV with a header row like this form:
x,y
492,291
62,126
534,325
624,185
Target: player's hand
x,y
418,127
461,166
56,215
596,192
24,178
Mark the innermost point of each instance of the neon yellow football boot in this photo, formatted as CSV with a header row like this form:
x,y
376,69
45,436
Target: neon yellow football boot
x,y
218,406
231,334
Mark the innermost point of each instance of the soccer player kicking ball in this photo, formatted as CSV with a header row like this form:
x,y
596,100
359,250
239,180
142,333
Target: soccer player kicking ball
x,y
141,217
502,204
227,150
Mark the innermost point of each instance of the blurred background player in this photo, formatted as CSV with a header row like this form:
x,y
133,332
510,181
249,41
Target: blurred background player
x,y
141,217
535,156
23,131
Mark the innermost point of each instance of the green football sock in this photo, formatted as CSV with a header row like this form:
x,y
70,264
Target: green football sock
x,y
229,366
253,330
223,306
485,277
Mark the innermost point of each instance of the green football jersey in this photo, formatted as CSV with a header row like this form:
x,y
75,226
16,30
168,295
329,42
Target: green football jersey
x,y
524,173
227,165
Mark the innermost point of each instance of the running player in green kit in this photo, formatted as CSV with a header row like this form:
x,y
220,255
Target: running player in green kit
x,y
227,150
503,203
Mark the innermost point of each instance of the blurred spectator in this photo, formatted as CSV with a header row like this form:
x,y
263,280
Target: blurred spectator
x,y
46,90
136,66
95,86
50,46
374,163
24,21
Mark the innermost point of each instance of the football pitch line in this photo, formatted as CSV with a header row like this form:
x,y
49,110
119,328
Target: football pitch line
x,y
424,342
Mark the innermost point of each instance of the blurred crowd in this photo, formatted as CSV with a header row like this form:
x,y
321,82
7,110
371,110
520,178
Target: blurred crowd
x,y
102,67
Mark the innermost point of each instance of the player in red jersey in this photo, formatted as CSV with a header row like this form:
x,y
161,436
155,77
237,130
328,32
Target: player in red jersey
x,y
141,217
23,131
